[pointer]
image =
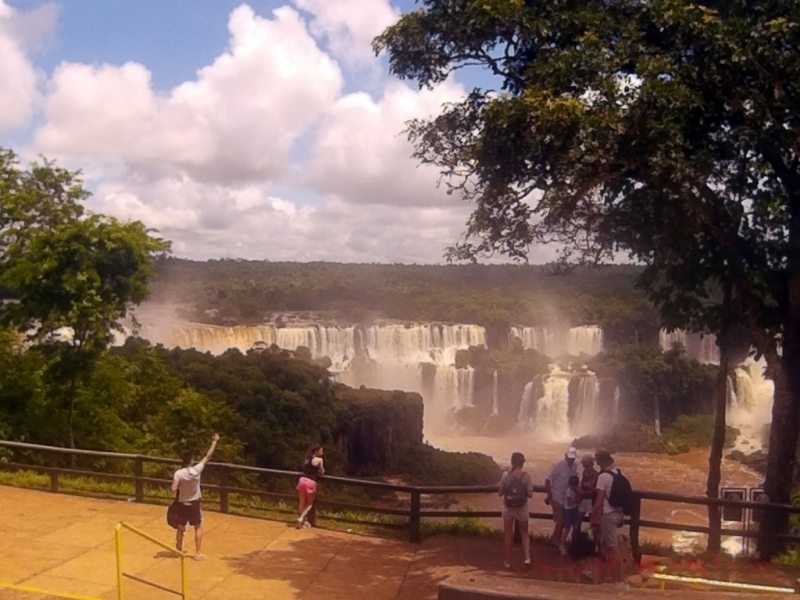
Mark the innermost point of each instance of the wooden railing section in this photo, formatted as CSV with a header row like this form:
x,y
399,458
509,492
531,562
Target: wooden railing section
x,y
414,513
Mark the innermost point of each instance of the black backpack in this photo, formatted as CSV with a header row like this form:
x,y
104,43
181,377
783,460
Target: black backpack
x,y
621,495
515,492
581,546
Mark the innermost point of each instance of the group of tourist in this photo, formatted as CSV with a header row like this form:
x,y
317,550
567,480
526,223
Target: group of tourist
x,y
573,497
597,496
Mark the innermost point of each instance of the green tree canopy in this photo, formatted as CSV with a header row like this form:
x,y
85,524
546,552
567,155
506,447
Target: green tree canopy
x,y
75,275
666,129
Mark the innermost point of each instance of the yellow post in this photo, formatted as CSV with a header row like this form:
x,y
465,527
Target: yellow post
x,y
118,539
184,579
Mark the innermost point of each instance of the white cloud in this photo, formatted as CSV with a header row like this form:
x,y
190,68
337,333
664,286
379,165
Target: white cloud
x,y
204,163
236,122
350,25
363,154
211,221
19,33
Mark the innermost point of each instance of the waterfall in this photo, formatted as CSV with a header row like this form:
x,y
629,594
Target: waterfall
x,y
615,413
421,343
410,357
534,338
454,386
587,339
750,403
552,422
495,408
702,348
584,405
667,338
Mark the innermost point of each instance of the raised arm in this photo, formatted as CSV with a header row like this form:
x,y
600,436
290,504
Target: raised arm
x,y
207,457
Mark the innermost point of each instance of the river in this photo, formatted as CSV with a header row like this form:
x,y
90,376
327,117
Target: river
x,y
681,474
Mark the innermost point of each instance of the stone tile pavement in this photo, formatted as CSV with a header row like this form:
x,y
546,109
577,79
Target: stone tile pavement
x,y
65,544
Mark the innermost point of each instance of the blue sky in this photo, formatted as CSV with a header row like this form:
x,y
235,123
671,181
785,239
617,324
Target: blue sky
x,y
261,130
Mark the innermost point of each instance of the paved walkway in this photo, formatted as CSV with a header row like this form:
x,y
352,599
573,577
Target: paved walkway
x,y
66,544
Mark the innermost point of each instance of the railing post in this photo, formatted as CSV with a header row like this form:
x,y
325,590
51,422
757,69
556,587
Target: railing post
x,y
224,505
54,474
138,471
414,521
636,517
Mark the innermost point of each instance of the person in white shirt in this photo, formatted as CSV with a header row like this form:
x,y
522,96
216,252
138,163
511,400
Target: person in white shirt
x,y
556,486
186,482
608,517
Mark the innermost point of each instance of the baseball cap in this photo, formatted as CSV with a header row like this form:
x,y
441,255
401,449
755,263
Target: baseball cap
x,y
572,452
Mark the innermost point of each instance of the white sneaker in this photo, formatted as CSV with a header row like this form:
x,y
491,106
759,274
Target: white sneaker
x,y
507,564
306,525
527,562
300,522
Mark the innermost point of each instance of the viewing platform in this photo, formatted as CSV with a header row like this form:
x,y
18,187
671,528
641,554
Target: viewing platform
x,y
65,544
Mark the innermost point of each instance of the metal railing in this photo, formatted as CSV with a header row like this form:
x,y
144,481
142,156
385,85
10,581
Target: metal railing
x,y
121,575
415,513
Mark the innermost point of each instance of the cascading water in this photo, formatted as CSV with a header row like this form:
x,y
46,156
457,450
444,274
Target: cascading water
x,y
750,404
585,340
390,356
535,338
584,405
702,348
334,342
495,399
552,422
523,416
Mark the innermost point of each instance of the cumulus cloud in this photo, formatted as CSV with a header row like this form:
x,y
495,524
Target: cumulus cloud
x,y
217,163
19,34
363,154
212,221
349,26
236,122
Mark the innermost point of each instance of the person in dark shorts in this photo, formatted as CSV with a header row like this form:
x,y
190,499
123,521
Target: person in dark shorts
x,y
572,518
186,482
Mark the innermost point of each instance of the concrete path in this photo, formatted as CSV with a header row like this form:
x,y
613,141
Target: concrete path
x,y
65,544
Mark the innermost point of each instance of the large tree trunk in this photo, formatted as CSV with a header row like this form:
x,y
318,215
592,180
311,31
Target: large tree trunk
x,y
782,447
786,402
718,442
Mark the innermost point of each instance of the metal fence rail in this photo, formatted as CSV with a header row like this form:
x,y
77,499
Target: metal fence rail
x,y
415,513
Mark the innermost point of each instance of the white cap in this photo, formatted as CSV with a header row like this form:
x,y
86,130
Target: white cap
x,y
572,452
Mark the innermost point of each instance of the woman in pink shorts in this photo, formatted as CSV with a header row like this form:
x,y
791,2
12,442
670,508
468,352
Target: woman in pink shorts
x,y
307,486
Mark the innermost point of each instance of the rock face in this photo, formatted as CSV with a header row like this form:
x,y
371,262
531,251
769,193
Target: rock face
x,y
377,427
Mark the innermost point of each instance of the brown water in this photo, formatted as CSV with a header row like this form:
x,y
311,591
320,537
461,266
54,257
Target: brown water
x,y
683,474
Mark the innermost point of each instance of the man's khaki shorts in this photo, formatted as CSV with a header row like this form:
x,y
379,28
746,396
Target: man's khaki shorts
x,y
611,522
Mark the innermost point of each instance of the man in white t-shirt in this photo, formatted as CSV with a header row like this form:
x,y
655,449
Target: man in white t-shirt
x,y
556,486
608,517
186,482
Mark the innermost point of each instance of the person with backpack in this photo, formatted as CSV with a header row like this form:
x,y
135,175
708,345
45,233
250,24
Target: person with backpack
x,y
613,500
515,488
